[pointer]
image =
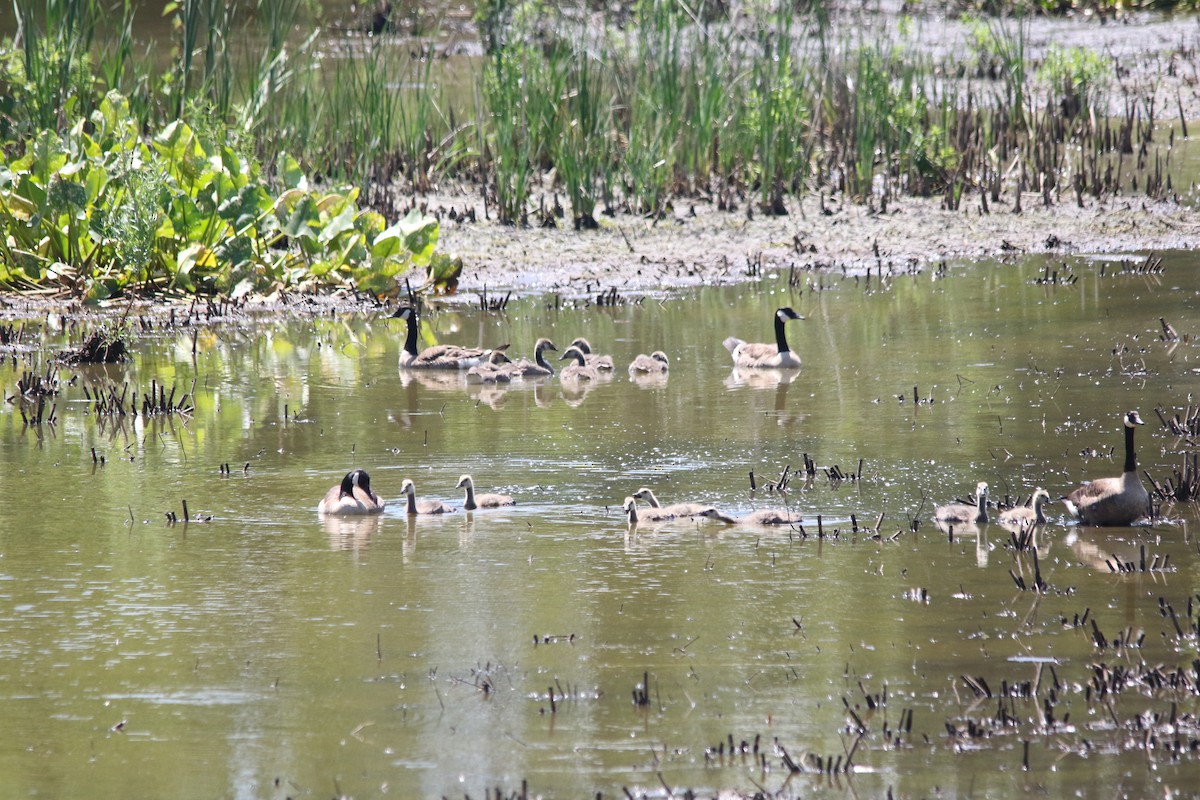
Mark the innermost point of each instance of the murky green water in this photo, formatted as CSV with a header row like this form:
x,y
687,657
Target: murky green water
x,y
266,653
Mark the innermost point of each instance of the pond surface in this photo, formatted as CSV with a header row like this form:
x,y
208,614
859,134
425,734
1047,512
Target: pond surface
x,y
268,653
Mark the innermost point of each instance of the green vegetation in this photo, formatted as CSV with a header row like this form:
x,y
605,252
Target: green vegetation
x,y
184,173
102,210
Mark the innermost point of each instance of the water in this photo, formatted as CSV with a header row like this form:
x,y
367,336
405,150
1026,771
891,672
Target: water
x,y
268,653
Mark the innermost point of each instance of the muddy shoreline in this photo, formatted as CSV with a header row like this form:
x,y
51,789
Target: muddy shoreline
x,y
700,246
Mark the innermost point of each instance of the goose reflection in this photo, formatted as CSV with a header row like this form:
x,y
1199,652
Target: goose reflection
x,y
352,533
762,377
968,530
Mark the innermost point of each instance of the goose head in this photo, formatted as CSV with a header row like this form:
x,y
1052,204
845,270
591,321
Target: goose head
x,y
1132,418
408,488
544,344
786,313
347,487
573,352
659,355
582,344
465,482
358,479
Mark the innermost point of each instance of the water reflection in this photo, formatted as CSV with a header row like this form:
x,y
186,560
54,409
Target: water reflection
x,y
386,646
762,378
352,533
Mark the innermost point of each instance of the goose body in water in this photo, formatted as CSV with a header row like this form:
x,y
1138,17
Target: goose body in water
x,y
1024,517
416,506
603,363
676,509
633,516
439,356
654,364
494,370
1114,501
474,501
539,367
768,516
579,371
957,513
352,496
758,354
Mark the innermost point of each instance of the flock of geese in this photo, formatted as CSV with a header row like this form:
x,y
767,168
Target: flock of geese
x,y
1112,502
1116,501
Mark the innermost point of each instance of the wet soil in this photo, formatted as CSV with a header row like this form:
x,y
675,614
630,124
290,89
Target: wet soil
x,y
699,245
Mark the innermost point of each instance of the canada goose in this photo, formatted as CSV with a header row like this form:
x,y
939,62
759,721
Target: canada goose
x,y
440,356
580,370
416,506
493,370
352,496
1025,517
475,501
653,364
539,367
964,512
601,363
768,516
678,509
757,354
1113,501
646,515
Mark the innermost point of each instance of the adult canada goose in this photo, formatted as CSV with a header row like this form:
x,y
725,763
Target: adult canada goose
x,y
678,509
768,516
580,370
654,364
602,363
474,501
416,506
1025,517
1113,501
964,512
646,514
539,367
757,354
352,496
493,370
440,356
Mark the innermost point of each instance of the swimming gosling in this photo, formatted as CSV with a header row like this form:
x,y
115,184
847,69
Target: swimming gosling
x,y
1024,517
416,506
678,509
769,356
539,367
633,516
603,363
654,364
474,501
958,513
1113,501
493,370
768,516
580,370
352,496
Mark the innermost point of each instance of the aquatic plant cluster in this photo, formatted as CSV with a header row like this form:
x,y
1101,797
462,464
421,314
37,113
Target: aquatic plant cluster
x,y
191,178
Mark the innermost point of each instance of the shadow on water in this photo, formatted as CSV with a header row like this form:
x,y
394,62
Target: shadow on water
x,y
858,651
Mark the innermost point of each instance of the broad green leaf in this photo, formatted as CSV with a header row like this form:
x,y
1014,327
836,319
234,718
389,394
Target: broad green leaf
x,y
290,173
338,225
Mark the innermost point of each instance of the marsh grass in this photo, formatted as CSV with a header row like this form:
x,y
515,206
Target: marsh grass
x,y
680,101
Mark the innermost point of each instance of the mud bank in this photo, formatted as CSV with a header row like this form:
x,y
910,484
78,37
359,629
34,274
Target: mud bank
x,y
701,246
